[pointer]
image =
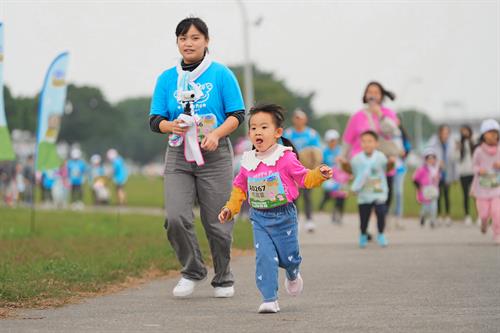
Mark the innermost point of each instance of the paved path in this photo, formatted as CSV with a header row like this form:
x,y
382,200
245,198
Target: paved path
x,y
443,280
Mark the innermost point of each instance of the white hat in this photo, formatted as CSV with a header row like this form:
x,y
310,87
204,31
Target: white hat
x,y
299,113
75,154
489,125
331,134
95,159
112,154
429,151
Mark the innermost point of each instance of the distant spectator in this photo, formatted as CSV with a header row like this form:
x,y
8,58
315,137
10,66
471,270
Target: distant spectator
x,y
120,174
77,169
444,146
307,142
463,156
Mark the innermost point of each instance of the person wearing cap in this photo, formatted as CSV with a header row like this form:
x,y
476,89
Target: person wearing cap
x,y
96,168
120,174
333,187
426,180
486,182
98,180
76,169
307,142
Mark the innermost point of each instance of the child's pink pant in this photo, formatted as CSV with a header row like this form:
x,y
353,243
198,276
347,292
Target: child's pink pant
x,y
490,208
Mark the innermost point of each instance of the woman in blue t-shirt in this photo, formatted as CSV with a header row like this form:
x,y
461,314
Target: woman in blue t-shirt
x,y
198,103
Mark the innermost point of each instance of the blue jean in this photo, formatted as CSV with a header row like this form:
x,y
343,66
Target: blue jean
x,y
398,189
276,245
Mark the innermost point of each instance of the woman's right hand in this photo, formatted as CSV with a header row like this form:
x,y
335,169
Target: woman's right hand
x,y
178,128
224,215
174,127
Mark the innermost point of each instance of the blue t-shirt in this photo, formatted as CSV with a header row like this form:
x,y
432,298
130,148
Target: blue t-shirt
x,y
221,94
306,138
329,155
370,182
48,179
76,171
120,174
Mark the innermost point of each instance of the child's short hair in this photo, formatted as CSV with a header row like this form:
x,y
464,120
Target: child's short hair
x,y
371,133
275,110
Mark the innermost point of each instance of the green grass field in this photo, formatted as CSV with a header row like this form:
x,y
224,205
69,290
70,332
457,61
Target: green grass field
x,y
72,253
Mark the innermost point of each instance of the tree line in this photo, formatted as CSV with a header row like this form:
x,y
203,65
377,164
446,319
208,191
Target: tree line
x,y
96,124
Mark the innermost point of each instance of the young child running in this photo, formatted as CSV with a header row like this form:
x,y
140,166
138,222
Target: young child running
x,y
486,182
426,179
269,177
338,186
370,184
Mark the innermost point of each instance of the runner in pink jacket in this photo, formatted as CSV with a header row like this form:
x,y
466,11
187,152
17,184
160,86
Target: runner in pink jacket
x,y
486,183
375,117
426,179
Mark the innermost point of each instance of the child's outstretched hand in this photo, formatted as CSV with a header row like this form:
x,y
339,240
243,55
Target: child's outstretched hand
x,y
326,171
224,215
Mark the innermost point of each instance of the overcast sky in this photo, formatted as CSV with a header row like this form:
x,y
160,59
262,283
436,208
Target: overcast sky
x,y
440,56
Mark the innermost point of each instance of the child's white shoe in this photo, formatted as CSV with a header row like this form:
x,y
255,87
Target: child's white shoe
x,y
295,287
496,239
269,307
468,221
310,226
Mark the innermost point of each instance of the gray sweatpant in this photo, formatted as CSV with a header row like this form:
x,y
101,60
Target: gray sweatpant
x,y
211,185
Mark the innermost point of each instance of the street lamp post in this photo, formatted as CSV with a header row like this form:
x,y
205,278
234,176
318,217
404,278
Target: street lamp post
x,y
247,67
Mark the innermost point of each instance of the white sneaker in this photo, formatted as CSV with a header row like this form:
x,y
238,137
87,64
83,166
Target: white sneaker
x,y
468,221
447,221
184,287
496,239
310,226
295,287
224,292
269,307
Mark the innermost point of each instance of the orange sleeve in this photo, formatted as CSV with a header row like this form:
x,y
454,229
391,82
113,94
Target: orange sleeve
x,y
313,178
235,200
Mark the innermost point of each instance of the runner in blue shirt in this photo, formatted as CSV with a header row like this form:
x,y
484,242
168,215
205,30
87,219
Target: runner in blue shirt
x,y
210,91
77,168
120,174
303,137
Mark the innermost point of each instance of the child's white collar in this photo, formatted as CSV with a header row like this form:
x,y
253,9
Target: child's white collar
x,y
250,161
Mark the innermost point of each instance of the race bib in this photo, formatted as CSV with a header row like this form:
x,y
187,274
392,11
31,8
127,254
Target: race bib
x,y
490,180
430,192
266,192
373,185
206,123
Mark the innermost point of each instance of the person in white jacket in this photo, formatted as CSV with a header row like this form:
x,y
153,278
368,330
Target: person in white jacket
x,y
444,146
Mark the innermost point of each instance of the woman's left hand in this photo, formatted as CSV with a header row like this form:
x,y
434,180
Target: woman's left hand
x,y
210,142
